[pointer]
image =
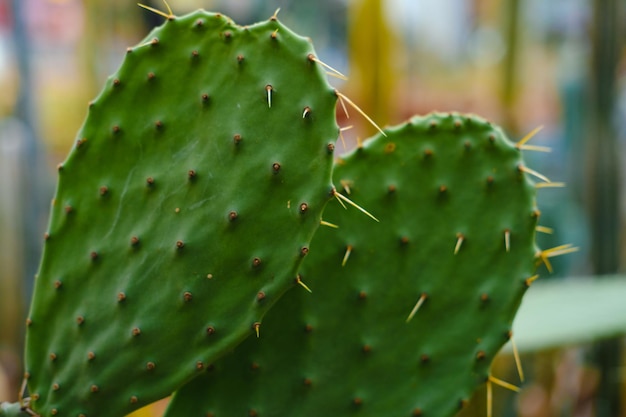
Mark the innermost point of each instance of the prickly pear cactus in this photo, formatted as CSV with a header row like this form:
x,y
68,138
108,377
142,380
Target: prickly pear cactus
x,y
410,323
181,215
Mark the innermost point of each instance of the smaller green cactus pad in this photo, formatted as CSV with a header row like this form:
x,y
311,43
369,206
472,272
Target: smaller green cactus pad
x,y
182,213
410,324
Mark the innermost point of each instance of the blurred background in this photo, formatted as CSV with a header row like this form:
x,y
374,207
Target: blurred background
x,y
560,64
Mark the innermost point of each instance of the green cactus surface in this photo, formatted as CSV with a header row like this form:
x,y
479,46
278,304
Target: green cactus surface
x,y
410,323
181,215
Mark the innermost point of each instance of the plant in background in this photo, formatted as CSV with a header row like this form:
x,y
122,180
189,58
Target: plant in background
x,y
188,203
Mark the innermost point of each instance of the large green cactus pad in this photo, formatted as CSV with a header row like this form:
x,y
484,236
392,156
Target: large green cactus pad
x,y
457,232
182,213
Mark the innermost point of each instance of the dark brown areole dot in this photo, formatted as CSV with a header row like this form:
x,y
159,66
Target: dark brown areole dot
x,y
417,412
60,167
134,241
303,208
254,366
307,382
180,244
276,167
52,356
366,348
205,98
362,295
104,190
133,400
308,328
80,320
136,331
187,296
192,174
94,388
404,241
115,129
232,216
260,296
150,366
357,401
158,125
425,359
54,411
227,35
91,356
150,181
240,58
199,23
68,209
210,330
55,387
29,322
194,54
330,148
46,236
154,42
58,284
304,251
256,262
199,365
428,153
237,138
94,255
480,355
151,76
80,142
121,297
253,413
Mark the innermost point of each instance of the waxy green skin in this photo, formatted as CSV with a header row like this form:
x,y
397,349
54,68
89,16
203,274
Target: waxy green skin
x,y
347,348
181,214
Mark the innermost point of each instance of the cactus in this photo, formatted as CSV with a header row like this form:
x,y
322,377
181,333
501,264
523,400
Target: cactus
x,y
181,215
407,314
